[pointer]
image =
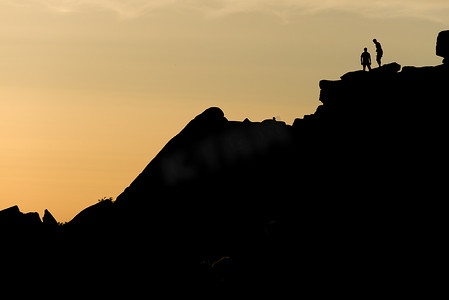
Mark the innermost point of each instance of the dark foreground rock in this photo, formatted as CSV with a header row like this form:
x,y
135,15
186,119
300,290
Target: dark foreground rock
x,y
346,201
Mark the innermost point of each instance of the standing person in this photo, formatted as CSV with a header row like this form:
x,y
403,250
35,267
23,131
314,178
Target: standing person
x,y
366,59
379,51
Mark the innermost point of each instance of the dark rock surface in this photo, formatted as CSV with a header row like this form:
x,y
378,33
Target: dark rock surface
x,y
442,48
48,219
346,201
13,221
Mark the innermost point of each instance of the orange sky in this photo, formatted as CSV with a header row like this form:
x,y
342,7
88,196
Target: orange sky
x,y
91,90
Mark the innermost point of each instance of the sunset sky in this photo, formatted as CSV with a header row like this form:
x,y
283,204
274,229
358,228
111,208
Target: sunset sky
x,y
91,90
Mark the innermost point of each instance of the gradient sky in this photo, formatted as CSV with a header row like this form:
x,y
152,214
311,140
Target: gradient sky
x,y
91,90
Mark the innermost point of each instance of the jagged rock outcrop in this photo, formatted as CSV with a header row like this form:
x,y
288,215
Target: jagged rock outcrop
x,y
359,96
48,220
384,95
13,221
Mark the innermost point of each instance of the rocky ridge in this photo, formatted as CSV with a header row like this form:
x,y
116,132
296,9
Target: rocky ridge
x,y
348,197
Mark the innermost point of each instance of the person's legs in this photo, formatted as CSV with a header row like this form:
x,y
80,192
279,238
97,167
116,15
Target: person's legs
x,y
378,59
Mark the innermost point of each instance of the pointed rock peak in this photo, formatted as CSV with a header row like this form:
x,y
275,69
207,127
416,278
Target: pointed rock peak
x,y
48,219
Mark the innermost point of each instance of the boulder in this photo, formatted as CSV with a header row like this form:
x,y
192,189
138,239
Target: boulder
x,y
211,115
331,89
387,69
442,48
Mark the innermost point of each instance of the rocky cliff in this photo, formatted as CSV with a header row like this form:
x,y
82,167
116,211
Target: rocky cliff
x,y
344,201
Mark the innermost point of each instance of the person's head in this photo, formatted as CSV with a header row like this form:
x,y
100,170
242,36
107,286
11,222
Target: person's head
x,y
375,41
365,49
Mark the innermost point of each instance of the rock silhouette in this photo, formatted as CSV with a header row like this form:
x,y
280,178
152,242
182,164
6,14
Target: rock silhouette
x,y
13,221
346,200
443,45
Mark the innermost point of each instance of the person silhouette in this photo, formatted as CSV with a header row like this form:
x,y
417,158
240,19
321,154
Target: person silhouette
x,y
379,51
365,59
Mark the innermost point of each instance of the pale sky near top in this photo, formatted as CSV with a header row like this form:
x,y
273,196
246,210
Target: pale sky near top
x,y
435,10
